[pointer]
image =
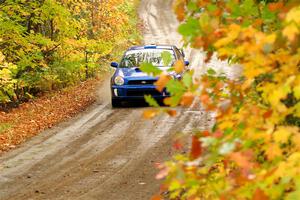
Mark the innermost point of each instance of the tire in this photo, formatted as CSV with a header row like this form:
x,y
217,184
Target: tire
x,y
116,103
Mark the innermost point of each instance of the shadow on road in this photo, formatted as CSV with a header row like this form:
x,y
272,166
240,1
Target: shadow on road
x,y
138,104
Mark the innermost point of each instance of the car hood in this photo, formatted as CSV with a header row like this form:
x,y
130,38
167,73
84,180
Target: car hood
x,y
135,72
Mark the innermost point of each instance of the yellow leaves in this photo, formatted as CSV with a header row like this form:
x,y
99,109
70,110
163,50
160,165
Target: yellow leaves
x,y
283,133
296,91
179,66
293,15
247,84
6,79
273,151
251,70
2,57
296,141
293,23
291,31
226,124
274,93
270,39
297,109
275,97
232,34
294,159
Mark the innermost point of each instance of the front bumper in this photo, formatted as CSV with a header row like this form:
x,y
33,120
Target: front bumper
x,y
136,92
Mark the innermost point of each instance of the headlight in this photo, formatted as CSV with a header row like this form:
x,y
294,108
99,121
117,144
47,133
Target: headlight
x,y
119,80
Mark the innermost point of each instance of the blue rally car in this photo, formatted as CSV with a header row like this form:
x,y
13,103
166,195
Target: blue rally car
x,y
129,83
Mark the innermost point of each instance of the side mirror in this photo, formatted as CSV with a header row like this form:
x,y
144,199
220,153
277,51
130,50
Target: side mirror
x,y
114,64
186,63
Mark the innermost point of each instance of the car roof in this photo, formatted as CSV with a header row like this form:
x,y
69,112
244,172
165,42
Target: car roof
x,y
152,46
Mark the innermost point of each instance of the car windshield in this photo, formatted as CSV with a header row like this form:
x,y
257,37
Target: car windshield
x,y
134,58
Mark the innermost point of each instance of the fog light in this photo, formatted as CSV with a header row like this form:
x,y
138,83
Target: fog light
x,y
116,92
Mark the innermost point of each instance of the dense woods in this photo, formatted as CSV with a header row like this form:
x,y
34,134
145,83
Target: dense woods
x,y
50,44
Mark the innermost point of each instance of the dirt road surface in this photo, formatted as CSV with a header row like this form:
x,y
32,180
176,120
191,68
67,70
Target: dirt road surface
x,y
104,153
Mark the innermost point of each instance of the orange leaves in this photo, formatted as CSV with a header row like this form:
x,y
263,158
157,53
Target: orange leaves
x,y
198,42
157,197
179,66
162,81
179,9
196,149
44,112
275,6
187,99
242,159
267,114
219,32
205,99
260,195
171,112
150,113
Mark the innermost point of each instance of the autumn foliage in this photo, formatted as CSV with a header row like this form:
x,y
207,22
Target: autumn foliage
x,y
253,149
50,44
42,113
52,52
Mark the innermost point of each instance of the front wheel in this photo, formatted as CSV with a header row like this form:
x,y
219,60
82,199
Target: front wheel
x,y
116,103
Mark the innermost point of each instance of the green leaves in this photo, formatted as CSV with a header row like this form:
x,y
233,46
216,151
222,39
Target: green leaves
x,y
189,28
167,58
175,87
151,101
187,80
211,72
150,69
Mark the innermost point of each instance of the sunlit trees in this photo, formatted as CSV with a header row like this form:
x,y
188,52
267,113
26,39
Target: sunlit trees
x,y
56,43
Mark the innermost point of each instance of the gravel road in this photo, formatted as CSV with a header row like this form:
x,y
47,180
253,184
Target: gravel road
x,y
104,153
